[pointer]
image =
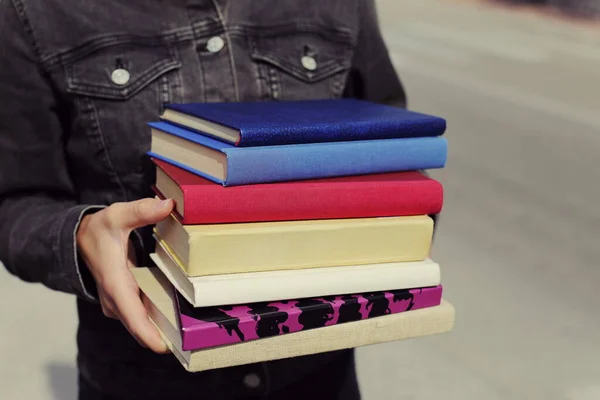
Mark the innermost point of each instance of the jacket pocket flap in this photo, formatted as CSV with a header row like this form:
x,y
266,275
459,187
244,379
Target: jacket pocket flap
x,y
306,55
119,72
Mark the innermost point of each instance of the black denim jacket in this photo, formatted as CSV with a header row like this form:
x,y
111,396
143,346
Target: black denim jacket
x,y
78,82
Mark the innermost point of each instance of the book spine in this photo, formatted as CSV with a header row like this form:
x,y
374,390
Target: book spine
x,y
337,201
322,160
216,326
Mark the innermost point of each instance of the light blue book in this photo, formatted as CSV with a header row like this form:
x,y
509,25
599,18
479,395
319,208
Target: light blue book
x,y
232,166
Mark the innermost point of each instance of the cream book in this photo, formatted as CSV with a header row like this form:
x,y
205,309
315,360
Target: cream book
x,y
269,246
159,298
253,287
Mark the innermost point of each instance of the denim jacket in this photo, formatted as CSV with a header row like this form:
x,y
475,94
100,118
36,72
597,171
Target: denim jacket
x,y
80,79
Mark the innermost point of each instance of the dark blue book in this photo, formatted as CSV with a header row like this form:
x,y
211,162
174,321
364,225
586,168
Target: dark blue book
x,y
295,122
230,165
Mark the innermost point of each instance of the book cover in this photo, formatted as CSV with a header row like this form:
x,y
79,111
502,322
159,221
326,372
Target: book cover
x,y
231,166
200,201
269,246
253,287
216,326
312,121
159,298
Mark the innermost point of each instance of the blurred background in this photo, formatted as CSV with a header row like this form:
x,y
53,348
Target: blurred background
x,y
519,237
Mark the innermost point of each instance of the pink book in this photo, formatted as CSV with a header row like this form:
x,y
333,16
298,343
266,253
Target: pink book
x,y
216,326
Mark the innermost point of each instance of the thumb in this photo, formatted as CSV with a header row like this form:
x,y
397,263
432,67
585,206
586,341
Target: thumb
x,y
139,213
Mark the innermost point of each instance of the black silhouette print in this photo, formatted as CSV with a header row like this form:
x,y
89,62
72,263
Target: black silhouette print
x,y
314,313
400,295
212,314
349,310
270,318
377,304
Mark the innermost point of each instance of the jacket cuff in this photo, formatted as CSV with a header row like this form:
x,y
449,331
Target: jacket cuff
x,y
71,265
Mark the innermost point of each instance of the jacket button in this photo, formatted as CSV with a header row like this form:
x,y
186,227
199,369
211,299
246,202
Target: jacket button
x,y
252,381
215,44
309,63
120,76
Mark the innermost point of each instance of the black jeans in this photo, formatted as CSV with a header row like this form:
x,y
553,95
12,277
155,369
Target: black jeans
x,y
336,380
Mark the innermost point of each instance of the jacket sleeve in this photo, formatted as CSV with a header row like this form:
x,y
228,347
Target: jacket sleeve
x,y
39,214
372,76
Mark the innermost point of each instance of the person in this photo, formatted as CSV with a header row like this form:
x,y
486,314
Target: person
x,y
79,81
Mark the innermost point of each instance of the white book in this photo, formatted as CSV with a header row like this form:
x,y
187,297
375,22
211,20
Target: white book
x,y
253,287
161,303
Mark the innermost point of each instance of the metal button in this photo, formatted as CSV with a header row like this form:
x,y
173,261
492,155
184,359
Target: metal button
x,y
120,76
309,63
215,44
252,381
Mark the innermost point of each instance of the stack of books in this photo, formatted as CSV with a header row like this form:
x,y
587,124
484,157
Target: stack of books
x,y
299,227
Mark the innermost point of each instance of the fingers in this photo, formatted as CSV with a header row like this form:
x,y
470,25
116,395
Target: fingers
x,y
120,299
139,213
133,315
102,241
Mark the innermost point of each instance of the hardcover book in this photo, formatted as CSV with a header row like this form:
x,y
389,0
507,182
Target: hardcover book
x,y
269,246
200,201
215,326
231,166
252,287
305,121
160,301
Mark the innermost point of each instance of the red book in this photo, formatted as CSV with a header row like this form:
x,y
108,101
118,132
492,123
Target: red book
x,y
200,201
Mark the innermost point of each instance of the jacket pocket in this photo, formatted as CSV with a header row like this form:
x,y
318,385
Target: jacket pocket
x,y
302,64
115,92
119,72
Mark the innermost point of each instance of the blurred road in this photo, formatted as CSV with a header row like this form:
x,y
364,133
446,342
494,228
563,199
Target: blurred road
x,y
518,239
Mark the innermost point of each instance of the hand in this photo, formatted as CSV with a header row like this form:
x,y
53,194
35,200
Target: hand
x,y
103,242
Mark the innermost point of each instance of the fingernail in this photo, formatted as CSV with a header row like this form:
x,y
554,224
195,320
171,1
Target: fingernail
x,y
163,204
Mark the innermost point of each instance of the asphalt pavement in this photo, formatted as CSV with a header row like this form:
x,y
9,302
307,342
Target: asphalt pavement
x,y
519,236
